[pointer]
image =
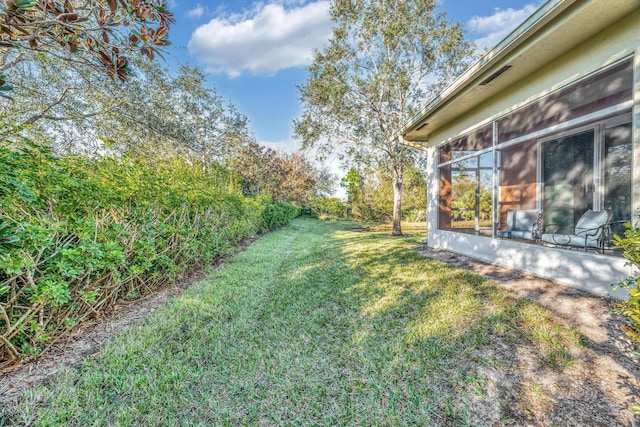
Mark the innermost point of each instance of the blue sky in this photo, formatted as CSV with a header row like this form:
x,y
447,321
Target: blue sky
x,y
255,51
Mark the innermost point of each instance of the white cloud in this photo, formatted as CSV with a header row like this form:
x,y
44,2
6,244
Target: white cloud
x,y
271,38
492,29
196,13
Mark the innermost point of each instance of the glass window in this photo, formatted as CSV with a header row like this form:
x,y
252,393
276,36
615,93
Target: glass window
x,y
477,140
517,176
471,201
564,174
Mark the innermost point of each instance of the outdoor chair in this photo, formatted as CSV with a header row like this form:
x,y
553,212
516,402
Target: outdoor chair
x,y
522,224
589,232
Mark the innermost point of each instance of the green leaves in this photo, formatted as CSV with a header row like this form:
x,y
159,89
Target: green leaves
x,y
44,26
24,5
82,234
7,237
52,291
630,245
383,62
5,289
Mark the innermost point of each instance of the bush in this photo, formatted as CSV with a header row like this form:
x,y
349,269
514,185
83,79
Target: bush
x,y
328,208
79,234
630,245
275,214
416,215
371,212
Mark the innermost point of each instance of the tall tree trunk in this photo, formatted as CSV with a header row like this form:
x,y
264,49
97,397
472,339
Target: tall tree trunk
x,y
397,201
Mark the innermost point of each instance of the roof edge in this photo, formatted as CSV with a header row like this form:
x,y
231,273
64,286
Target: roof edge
x,y
521,34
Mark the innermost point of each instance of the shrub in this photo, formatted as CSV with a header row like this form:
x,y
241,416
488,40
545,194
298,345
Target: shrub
x,y
372,212
328,208
630,245
416,215
79,234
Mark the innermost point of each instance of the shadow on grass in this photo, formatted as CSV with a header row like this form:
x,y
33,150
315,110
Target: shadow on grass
x,y
609,366
455,321
315,325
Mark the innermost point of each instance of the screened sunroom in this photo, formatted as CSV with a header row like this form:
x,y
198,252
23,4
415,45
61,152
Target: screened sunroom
x,y
534,152
564,154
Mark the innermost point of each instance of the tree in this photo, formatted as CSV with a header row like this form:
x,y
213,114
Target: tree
x,y
352,183
383,60
70,108
95,27
57,102
285,177
173,114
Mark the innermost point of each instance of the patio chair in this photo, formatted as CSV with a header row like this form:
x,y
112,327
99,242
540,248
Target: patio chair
x,y
522,224
589,232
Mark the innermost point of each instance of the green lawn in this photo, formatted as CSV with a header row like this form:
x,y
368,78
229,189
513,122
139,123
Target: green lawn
x,y
314,325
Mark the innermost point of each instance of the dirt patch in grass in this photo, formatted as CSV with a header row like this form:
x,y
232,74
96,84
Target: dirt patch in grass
x,y
88,338
597,388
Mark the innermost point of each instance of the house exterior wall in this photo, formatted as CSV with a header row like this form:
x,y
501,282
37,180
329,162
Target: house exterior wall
x,y
590,271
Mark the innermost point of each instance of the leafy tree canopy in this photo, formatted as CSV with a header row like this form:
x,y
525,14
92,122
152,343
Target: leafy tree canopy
x,y
284,177
352,183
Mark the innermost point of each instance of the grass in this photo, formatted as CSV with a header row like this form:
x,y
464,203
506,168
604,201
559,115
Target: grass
x,y
311,325
408,227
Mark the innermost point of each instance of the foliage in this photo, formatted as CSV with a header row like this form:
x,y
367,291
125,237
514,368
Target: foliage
x,y
416,215
352,183
155,111
463,198
94,27
279,175
79,234
414,198
630,245
383,60
328,208
370,197
174,114
276,214
316,325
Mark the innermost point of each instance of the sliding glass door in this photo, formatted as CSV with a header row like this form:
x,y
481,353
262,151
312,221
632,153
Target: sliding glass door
x,y
568,178
617,175
589,169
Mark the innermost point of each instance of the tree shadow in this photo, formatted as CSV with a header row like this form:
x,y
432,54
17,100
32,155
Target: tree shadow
x,y
604,392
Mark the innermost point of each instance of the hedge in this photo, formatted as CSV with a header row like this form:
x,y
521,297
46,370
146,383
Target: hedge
x,y
78,235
